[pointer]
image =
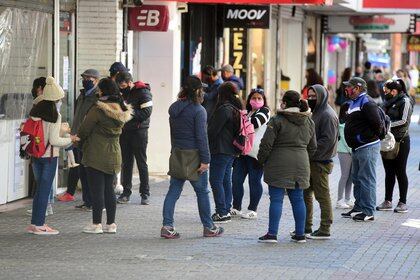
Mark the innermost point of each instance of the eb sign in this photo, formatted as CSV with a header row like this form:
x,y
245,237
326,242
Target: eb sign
x,y
148,18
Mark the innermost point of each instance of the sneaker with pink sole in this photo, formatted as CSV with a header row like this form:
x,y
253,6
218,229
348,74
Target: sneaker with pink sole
x,y
44,230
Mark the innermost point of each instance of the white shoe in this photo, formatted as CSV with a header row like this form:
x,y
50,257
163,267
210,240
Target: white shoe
x,y
342,205
349,202
93,229
49,210
29,212
235,213
112,228
251,215
73,165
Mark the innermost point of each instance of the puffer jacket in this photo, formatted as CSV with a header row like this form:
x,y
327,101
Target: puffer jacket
x,y
399,109
285,149
99,136
140,99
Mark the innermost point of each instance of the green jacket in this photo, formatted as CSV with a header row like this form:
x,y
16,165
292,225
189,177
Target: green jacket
x,y
99,136
285,149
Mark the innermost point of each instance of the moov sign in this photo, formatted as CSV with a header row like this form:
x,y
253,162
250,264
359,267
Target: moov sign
x,y
369,24
242,16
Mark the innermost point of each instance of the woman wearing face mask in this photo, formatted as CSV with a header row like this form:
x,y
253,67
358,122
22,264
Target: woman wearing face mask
x,y
259,114
399,108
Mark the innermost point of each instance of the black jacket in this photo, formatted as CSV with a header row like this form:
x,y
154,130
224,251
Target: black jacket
x,y
222,128
399,110
363,123
140,98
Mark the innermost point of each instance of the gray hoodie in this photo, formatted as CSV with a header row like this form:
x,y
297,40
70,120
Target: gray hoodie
x,y
326,126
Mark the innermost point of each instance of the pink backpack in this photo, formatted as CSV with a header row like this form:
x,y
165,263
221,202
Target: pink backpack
x,y
244,140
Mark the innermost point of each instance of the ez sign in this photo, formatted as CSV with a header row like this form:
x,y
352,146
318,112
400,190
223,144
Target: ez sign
x,y
149,18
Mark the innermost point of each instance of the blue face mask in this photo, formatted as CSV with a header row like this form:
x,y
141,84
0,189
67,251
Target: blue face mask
x,y
88,84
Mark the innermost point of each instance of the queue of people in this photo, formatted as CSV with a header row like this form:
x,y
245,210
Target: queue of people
x,y
292,150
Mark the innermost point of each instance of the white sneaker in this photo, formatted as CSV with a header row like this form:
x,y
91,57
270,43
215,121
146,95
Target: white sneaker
x,y
49,210
29,212
112,228
93,229
349,202
235,213
251,215
342,205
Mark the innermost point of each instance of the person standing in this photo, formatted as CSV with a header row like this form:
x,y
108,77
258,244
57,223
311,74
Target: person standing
x,y
341,97
362,130
115,69
367,72
247,165
399,108
326,127
45,167
134,138
99,140
222,128
86,99
228,75
188,121
209,77
344,156
284,152
312,78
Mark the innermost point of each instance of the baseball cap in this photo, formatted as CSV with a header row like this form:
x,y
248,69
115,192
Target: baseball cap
x,y
227,68
356,81
193,82
118,67
91,73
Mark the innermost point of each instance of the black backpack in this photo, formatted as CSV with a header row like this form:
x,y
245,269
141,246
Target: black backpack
x,y
385,123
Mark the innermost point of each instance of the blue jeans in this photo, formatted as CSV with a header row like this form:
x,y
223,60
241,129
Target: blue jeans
x,y
364,178
221,182
44,172
203,200
243,166
276,207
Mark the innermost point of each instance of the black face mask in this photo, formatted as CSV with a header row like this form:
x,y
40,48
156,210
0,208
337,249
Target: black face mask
x,y
125,91
388,96
312,104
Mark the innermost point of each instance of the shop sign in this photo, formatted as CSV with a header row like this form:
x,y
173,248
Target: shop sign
x,y
238,52
149,18
245,16
400,4
413,43
369,24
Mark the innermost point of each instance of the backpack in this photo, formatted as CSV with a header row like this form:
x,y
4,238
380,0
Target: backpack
x,y
32,142
385,123
244,140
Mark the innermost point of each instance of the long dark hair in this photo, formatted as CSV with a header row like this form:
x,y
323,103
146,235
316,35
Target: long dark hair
x,y
259,91
397,84
46,110
195,96
313,78
228,93
111,92
346,75
292,99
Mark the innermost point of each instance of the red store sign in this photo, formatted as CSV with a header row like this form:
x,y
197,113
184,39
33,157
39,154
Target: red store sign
x,y
148,18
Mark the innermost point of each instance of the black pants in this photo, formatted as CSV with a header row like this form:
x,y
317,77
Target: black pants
x,y
396,169
87,200
73,177
102,193
134,145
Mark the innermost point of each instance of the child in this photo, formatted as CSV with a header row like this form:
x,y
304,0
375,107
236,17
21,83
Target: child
x,y
344,155
65,131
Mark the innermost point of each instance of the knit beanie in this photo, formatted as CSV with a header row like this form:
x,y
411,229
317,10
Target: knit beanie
x,y
52,91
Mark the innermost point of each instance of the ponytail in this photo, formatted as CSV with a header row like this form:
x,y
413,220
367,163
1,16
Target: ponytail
x,y
303,105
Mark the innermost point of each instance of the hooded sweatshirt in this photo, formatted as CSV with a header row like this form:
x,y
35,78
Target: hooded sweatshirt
x,y
237,81
326,126
285,149
188,122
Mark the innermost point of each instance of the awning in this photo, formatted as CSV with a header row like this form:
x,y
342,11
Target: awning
x,y
286,2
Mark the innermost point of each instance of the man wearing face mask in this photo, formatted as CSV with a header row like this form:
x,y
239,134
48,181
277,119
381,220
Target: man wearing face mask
x,y
87,98
321,163
134,137
362,131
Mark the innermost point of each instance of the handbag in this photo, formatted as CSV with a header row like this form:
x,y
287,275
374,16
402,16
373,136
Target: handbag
x,y
184,164
392,154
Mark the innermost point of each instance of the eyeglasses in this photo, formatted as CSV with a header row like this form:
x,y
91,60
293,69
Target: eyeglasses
x,y
257,90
